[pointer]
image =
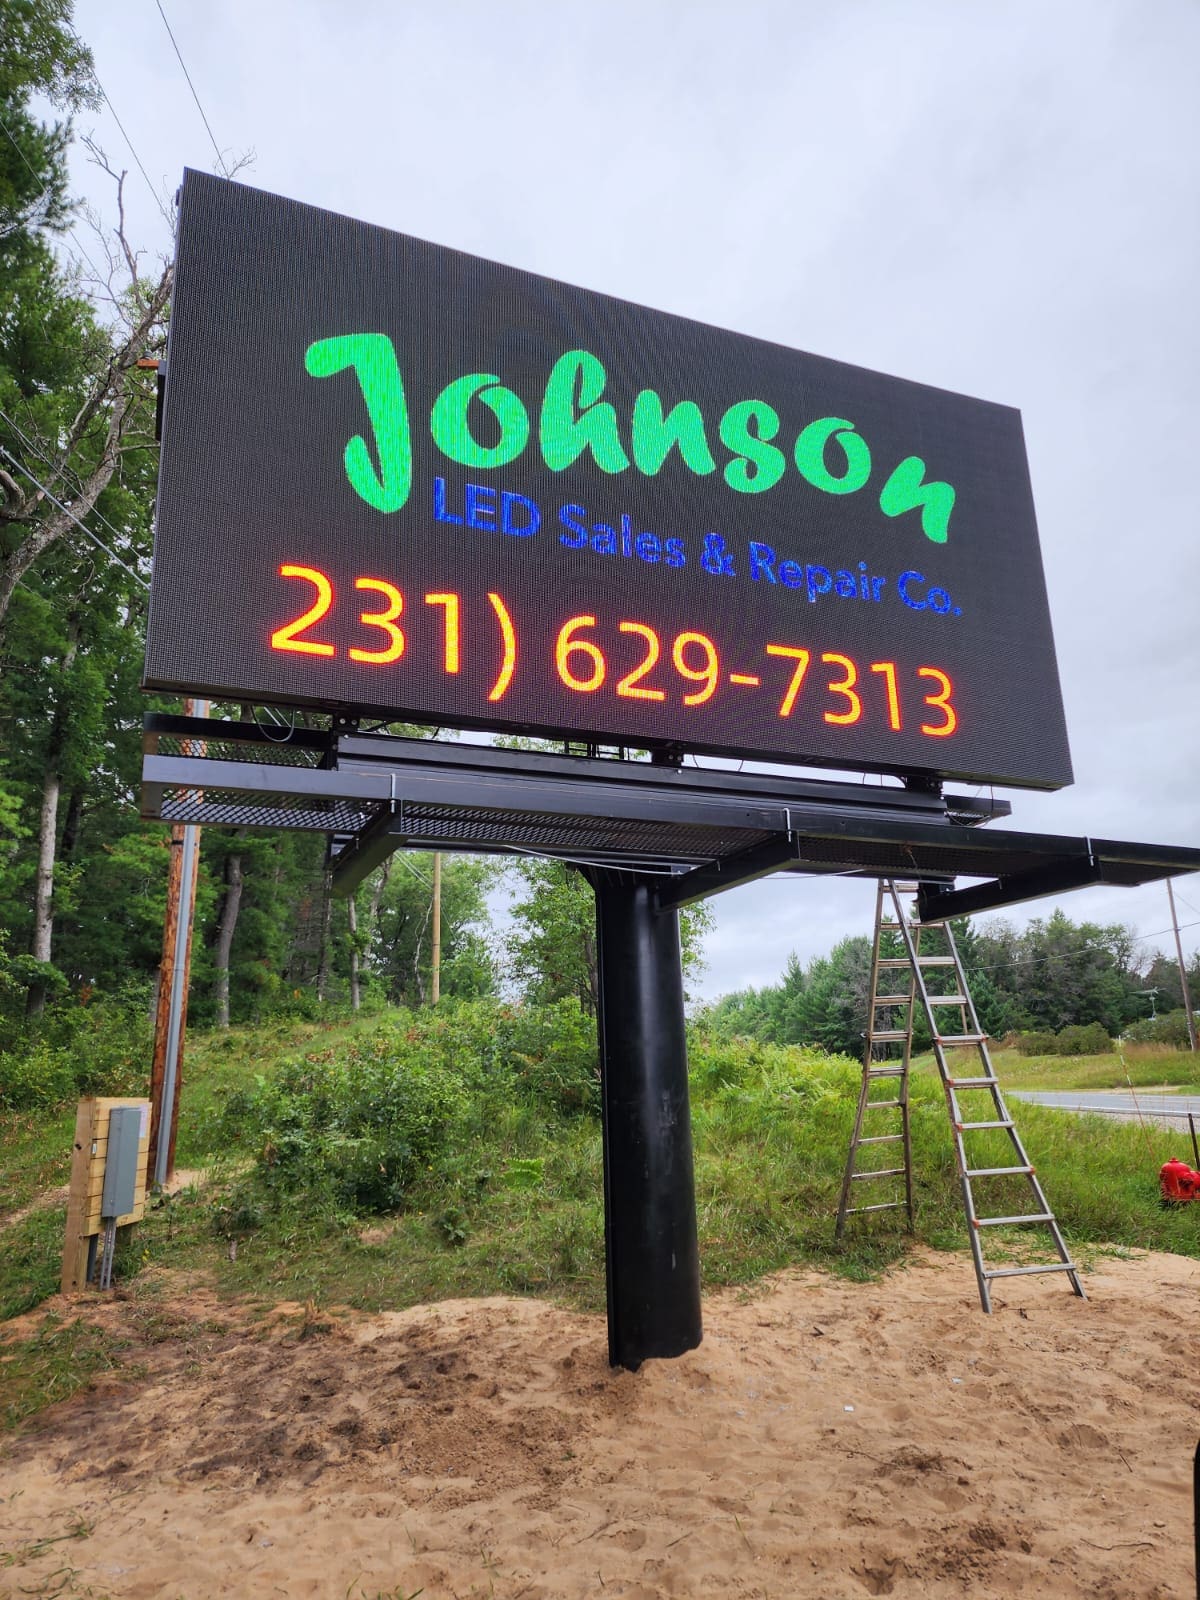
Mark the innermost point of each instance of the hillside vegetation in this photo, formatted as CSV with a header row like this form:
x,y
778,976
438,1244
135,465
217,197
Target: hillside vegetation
x,y
404,1156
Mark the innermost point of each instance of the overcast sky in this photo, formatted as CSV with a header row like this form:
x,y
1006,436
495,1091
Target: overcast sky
x,y
999,199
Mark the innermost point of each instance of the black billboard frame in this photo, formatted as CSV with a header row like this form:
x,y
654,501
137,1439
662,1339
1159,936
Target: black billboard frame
x,y
650,838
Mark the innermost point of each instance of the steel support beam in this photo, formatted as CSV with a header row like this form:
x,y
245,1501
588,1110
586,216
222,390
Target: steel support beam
x,y
652,1257
936,904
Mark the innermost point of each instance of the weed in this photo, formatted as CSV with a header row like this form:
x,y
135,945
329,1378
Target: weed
x,y
489,1182
56,1362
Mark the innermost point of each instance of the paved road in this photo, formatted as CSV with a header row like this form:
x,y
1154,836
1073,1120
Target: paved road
x,y
1169,1108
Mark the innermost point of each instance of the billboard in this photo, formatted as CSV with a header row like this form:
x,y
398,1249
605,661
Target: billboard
x,y
401,480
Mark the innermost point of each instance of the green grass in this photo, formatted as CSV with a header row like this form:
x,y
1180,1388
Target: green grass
x,y
31,1259
36,1156
53,1364
1140,1065
514,1205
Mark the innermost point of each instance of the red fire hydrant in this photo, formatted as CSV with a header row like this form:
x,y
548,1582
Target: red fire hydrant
x,y
1179,1182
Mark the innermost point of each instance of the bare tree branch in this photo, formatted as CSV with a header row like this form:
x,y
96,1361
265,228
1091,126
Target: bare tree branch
x,y
111,389
13,493
132,257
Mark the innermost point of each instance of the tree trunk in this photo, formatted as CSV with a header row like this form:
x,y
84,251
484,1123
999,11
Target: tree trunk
x,y
323,962
352,924
71,825
43,897
418,975
591,999
109,397
43,894
381,883
226,925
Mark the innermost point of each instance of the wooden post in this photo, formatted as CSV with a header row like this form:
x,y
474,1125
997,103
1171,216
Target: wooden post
x,y
89,1153
170,1021
75,1246
166,971
183,1008
437,925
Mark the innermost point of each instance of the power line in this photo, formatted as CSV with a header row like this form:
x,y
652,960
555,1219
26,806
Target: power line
x,y
66,510
166,215
32,446
405,862
1072,955
37,178
29,165
192,87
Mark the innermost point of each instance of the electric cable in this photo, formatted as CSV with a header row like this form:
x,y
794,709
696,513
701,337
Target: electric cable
x,y
289,730
67,512
192,87
405,862
36,176
584,861
69,473
166,215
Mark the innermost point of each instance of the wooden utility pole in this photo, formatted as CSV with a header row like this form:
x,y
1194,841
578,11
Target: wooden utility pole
x,y
1183,983
170,1021
437,925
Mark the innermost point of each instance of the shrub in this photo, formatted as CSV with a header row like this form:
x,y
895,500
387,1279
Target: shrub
x,y
1036,1044
1170,1030
1088,1039
551,1053
1078,1039
72,1050
35,1075
354,1126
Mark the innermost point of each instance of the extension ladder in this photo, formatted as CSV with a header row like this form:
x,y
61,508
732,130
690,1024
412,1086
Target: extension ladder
x,y
903,977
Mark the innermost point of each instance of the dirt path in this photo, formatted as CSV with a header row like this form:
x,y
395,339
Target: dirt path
x,y
827,1440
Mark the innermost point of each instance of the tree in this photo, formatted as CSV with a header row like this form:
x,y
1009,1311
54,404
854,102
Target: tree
x,y
399,950
75,444
71,401
552,948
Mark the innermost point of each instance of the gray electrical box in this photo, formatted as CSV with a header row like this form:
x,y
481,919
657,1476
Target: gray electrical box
x,y
121,1161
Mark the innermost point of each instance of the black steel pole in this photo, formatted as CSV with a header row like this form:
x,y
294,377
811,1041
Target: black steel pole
x,y
652,1259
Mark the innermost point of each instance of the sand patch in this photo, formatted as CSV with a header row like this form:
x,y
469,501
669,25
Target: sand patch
x,y
828,1440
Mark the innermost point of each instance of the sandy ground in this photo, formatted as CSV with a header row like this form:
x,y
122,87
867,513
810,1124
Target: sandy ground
x,y
828,1439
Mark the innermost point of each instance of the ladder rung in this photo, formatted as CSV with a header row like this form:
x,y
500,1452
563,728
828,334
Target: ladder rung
x,y
881,1062
1023,1272
922,961
1000,1222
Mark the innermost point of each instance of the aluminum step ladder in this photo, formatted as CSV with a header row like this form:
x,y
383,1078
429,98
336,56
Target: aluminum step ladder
x,y
904,976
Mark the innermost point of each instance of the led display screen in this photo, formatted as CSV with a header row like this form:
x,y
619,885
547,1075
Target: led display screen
x,y
403,480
